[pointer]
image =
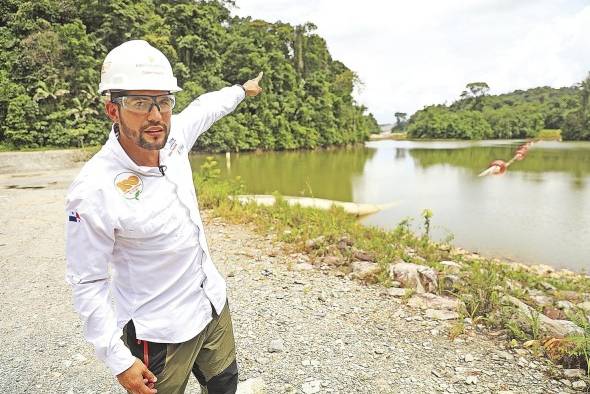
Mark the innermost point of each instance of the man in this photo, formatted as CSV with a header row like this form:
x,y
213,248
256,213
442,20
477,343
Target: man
x,y
133,207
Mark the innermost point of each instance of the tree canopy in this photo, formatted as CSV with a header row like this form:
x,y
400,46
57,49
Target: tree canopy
x,y
519,114
52,51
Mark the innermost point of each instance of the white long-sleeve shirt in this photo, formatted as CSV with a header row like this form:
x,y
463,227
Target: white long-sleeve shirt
x,y
146,226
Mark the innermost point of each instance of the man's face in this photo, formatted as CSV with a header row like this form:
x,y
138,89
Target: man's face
x,y
146,130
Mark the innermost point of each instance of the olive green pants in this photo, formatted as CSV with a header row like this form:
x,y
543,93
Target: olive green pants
x,y
210,356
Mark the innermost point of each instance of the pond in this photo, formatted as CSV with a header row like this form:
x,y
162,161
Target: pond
x,y
537,212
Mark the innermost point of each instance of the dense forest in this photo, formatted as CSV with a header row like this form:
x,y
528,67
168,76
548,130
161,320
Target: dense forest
x,y
520,114
52,51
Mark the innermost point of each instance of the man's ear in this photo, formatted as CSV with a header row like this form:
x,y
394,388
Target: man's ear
x,y
112,111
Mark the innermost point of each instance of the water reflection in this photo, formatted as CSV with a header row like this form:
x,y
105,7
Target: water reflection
x,y
325,173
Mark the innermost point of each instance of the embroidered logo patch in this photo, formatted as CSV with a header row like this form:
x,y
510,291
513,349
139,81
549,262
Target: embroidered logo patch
x,y
74,217
129,185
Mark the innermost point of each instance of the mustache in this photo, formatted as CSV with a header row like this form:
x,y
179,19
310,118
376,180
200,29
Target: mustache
x,y
152,124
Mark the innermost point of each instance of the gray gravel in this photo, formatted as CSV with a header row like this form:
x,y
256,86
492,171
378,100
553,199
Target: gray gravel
x,y
300,331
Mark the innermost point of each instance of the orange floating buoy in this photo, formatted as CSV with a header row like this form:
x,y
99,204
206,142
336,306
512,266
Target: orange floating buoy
x,y
500,167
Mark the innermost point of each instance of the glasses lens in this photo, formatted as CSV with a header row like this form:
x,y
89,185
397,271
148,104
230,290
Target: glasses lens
x,y
166,103
143,104
137,103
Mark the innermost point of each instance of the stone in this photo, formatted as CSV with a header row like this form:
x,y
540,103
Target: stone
x,y
79,358
468,358
303,267
418,277
433,301
542,269
585,306
438,314
251,386
548,286
471,380
451,266
333,260
542,300
396,292
573,373
365,270
554,313
532,343
361,255
579,385
314,243
311,387
555,328
564,304
276,346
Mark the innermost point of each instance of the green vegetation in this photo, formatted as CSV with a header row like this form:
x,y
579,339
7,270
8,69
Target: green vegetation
x,y
549,135
52,52
520,114
480,285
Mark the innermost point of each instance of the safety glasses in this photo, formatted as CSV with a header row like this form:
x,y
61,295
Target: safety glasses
x,y
143,104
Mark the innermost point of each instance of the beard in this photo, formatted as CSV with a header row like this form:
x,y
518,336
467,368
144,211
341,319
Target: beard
x,y
144,140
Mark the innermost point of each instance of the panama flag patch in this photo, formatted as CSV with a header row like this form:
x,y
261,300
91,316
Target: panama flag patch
x,y
74,217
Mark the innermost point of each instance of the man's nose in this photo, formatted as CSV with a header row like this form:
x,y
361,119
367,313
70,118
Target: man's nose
x,y
154,113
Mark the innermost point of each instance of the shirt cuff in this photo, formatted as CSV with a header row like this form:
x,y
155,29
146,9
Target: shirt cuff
x,y
242,90
120,359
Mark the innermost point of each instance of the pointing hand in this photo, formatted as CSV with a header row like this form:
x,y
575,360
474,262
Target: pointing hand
x,y
251,86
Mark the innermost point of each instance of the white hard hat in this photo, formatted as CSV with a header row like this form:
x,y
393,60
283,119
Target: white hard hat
x,y
136,65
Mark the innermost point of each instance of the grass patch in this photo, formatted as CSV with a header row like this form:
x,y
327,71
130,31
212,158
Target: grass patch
x,y
550,134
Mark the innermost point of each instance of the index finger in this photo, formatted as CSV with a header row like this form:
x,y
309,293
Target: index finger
x,y
259,77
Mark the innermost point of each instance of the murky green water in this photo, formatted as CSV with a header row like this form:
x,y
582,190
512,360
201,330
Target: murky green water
x,y
538,212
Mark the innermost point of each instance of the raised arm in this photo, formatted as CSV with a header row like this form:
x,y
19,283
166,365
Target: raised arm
x,y
210,107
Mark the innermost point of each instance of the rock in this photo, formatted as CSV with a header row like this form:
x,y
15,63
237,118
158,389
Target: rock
x,y
542,269
396,292
437,373
421,278
471,380
365,270
555,328
554,313
311,387
437,314
531,343
468,358
542,300
314,243
565,305
395,283
579,385
569,295
450,281
333,260
79,358
585,306
451,266
505,355
361,255
433,301
276,346
303,267
548,286
251,386
573,373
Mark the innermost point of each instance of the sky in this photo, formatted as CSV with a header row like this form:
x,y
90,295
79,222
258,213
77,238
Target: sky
x,y
410,54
